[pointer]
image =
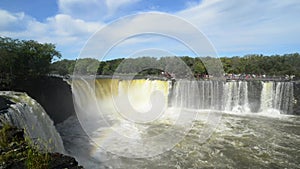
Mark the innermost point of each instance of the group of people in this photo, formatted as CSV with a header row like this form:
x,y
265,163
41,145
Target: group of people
x,y
254,76
231,76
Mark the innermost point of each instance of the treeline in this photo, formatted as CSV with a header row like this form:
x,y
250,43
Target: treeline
x,y
274,65
140,66
278,65
23,59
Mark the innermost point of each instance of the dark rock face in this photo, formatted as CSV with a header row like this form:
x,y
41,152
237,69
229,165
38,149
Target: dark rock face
x,y
63,161
52,93
254,93
4,103
297,98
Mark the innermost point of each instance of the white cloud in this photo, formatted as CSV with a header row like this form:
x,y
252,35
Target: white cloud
x,y
250,25
165,29
61,29
89,10
65,25
58,27
93,10
233,26
113,5
11,21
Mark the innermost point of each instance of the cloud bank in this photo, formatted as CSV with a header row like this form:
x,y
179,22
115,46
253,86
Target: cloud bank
x,y
234,27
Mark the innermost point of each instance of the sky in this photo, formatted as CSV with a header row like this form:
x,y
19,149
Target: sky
x,y
232,27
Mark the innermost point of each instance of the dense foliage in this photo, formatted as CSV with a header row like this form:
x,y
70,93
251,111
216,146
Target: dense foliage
x,y
21,59
20,152
274,65
278,65
62,67
83,66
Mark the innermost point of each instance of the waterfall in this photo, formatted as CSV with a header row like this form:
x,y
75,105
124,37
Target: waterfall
x,y
105,95
234,96
114,99
212,95
197,94
26,113
109,110
277,96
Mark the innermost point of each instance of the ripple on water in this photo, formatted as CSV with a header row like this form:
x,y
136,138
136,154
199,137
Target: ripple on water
x,y
238,142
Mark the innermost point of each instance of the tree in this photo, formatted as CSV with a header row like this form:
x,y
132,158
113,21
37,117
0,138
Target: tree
x,y
86,66
63,67
25,59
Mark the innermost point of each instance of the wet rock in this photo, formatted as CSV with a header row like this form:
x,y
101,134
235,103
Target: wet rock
x,y
297,98
4,104
52,93
63,161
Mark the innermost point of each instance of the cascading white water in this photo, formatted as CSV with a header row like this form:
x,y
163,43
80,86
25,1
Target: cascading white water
x,y
277,96
197,95
120,136
29,115
212,95
236,97
233,96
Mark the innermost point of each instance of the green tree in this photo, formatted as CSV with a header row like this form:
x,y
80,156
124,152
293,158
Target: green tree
x,y
63,67
25,59
86,66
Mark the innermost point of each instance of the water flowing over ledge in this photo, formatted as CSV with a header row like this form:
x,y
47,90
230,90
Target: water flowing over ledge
x,y
269,98
254,140
26,113
235,96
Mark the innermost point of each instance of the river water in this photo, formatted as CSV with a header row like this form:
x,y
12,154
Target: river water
x,y
247,141
237,125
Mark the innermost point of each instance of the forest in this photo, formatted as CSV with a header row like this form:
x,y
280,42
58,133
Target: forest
x,y
273,65
24,59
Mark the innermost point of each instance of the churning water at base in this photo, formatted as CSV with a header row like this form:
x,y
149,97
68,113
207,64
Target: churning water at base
x,y
238,142
254,133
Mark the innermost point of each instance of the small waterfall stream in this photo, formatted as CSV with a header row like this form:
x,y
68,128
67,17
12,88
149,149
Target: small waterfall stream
x,y
277,96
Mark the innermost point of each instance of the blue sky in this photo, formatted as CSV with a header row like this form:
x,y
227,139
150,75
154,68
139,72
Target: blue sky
x,y
234,27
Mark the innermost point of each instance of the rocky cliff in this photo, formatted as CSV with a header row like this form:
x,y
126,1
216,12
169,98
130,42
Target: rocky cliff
x,y
53,93
297,98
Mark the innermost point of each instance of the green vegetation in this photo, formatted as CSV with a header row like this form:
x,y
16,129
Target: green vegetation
x,y
19,152
21,59
36,159
27,59
278,65
83,66
63,67
3,135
